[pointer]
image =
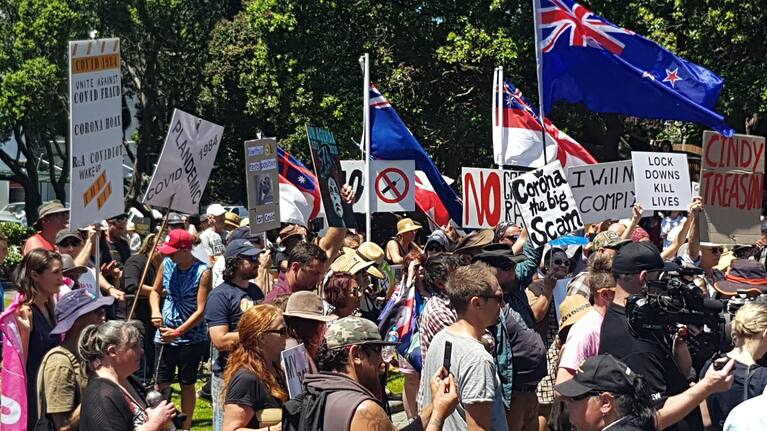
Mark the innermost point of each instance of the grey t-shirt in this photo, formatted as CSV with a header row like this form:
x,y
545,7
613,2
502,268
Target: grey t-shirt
x,y
475,375
212,242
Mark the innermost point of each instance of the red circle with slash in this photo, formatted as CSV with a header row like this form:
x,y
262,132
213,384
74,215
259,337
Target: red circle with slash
x,y
388,181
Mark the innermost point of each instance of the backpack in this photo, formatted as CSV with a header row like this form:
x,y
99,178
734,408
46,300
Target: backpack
x,y
305,412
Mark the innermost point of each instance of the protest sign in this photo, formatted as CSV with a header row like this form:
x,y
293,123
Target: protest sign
x,y
393,185
511,211
95,131
732,188
296,366
185,163
354,175
546,203
604,191
262,184
483,198
661,180
324,151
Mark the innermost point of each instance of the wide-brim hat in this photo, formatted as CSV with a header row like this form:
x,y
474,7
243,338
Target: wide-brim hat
x,y
350,263
744,274
475,240
572,308
496,254
288,232
306,305
407,225
232,220
371,252
48,208
75,304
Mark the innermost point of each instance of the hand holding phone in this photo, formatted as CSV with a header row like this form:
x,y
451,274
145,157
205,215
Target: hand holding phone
x,y
448,355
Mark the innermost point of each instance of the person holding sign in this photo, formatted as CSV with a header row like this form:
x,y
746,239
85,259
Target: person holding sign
x,y
181,338
254,389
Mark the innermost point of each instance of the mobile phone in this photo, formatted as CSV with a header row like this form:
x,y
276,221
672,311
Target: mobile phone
x,y
720,362
448,355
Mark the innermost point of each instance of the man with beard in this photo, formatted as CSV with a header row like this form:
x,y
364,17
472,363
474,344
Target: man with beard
x,y
225,306
351,361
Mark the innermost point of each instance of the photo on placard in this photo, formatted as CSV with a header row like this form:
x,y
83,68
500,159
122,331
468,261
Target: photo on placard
x,y
327,166
264,189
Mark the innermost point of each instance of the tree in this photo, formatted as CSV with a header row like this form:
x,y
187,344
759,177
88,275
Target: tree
x,y
34,90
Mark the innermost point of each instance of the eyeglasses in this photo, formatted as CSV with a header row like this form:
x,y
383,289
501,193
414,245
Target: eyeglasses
x,y
561,262
283,332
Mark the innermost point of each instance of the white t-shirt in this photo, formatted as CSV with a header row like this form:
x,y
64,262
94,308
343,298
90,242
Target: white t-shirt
x,y
475,376
212,242
750,415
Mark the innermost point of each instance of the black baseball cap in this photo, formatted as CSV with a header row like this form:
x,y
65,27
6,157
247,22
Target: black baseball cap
x,y
241,247
636,257
602,373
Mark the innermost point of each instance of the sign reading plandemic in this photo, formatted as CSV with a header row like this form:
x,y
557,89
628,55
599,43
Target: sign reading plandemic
x,y
546,203
732,188
95,131
185,163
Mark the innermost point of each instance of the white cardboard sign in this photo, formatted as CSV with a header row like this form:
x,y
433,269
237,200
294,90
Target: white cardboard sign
x,y
393,185
354,171
95,131
296,366
661,180
483,197
185,163
546,203
604,191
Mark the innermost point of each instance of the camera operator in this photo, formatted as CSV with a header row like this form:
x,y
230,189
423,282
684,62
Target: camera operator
x,y
663,367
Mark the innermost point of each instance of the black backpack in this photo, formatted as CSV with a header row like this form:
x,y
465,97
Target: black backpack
x,y
305,412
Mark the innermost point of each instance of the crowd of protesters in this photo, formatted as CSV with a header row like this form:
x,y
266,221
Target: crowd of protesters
x,y
489,331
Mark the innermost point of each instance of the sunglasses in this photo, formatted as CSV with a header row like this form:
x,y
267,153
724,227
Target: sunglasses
x,y
512,238
588,394
70,243
717,250
498,296
282,332
561,262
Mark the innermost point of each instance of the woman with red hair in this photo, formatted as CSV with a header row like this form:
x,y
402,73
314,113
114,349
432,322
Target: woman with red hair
x,y
254,390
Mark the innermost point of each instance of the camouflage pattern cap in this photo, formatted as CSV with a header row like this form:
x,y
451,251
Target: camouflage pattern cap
x,y
353,330
608,239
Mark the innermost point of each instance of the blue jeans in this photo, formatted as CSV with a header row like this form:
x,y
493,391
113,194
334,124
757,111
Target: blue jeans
x,y
216,386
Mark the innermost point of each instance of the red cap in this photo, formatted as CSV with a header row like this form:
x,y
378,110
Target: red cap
x,y
178,239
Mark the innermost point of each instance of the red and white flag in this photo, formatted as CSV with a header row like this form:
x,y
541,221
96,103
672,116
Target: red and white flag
x,y
517,133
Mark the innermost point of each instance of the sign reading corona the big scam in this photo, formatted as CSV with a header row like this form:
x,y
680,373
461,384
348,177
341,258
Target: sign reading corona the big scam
x,y
546,203
732,188
95,131
185,163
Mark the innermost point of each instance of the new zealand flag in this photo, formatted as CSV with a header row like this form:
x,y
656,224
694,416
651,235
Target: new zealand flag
x,y
587,59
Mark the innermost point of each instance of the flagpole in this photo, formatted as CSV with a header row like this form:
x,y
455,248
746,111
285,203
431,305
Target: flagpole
x,y
365,60
497,115
539,72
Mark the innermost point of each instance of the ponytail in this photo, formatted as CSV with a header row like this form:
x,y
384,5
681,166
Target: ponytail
x,y
638,404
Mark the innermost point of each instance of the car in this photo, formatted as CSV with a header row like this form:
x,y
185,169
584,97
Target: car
x,y
18,210
237,209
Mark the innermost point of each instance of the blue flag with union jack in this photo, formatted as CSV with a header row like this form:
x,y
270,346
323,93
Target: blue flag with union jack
x,y
587,59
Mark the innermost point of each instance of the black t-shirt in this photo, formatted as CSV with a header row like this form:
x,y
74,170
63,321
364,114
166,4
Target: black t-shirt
x,y
246,389
134,267
105,407
40,342
650,359
225,306
748,382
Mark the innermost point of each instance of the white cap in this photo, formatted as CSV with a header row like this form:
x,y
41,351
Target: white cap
x,y
215,210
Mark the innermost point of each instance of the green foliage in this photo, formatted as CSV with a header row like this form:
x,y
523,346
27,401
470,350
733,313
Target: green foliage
x,y
15,234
